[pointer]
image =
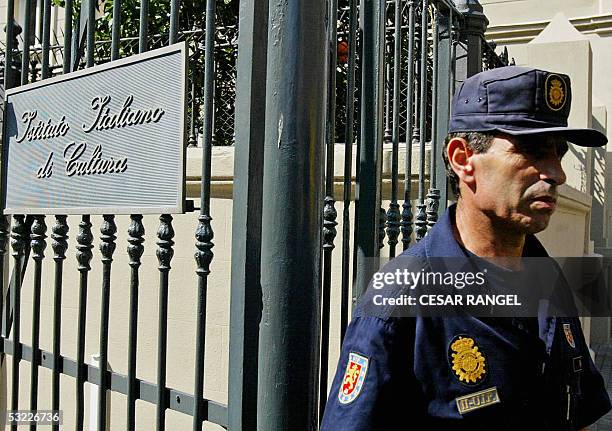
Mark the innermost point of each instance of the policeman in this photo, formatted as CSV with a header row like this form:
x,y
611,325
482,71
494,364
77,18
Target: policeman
x,y
507,135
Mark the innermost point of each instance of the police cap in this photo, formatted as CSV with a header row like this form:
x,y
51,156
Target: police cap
x,y
519,101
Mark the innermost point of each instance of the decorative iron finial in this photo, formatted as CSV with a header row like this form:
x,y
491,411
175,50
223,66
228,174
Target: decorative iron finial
x,y
19,235
165,233
204,235
4,234
84,240
136,232
60,237
381,227
421,222
329,223
108,231
432,203
393,223
37,237
406,223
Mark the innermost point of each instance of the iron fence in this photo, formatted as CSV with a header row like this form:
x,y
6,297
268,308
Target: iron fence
x,y
389,82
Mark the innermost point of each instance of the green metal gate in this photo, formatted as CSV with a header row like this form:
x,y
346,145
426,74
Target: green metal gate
x,y
309,78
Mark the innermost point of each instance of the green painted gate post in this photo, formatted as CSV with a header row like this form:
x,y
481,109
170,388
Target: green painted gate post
x,y
292,216
245,304
444,96
367,194
471,38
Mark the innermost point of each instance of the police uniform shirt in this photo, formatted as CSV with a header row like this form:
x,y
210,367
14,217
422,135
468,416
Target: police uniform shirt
x,y
463,373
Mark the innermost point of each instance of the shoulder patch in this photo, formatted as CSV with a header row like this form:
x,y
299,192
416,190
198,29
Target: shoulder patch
x,y
467,361
354,376
569,336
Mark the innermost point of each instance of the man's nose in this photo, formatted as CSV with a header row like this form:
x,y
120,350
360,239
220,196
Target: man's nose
x,y
552,172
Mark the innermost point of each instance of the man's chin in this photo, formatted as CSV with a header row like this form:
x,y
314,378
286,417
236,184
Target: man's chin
x,y
537,223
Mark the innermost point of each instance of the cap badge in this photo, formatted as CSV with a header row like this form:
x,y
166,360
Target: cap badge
x,y
468,362
556,91
569,336
354,376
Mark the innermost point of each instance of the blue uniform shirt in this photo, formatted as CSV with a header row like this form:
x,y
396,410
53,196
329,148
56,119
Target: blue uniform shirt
x,y
464,373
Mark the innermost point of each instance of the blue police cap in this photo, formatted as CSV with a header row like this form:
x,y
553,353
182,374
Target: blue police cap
x,y
519,101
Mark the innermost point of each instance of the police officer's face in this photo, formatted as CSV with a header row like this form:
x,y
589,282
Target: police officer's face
x,y
515,181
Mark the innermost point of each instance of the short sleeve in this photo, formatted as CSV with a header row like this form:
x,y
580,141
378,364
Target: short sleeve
x,y
373,377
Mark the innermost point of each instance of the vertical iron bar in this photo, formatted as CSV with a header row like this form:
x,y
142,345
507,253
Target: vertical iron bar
x,y
135,250
249,128
46,37
38,245
434,100
406,223
10,30
107,248
204,255
348,164
143,32
4,221
451,75
444,91
67,51
204,233
136,232
91,24
27,37
433,196
59,245
165,233
19,235
329,210
372,127
116,32
83,255
41,10
329,233
393,215
174,20
84,250
421,217
4,235
387,85
192,142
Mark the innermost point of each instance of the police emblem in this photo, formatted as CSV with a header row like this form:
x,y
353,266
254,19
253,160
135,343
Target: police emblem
x,y
556,92
468,362
569,336
354,376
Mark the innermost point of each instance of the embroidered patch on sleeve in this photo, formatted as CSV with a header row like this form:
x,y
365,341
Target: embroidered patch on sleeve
x,y
354,376
477,400
569,336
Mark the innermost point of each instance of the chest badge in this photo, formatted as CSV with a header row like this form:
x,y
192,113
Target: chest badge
x,y
569,336
354,376
468,362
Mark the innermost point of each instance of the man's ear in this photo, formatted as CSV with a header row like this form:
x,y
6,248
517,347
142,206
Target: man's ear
x,y
460,158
